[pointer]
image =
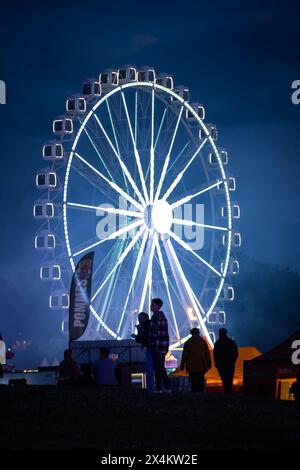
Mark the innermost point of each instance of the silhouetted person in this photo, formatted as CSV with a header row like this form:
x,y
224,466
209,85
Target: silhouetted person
x,y
295,390
142,337
196,359
159,345
142,327
86,375
225,356
68,371
104,372
2,355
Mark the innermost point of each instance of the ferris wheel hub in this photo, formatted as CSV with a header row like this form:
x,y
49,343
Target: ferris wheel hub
x,y
159,216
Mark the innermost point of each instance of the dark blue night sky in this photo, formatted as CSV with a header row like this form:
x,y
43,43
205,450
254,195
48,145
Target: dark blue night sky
x,y
237,57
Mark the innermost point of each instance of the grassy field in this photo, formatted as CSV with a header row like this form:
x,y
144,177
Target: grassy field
x,y
88,418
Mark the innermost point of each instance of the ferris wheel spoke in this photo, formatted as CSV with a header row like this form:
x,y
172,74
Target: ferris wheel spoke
x,y
108,256
134,275
122,164
186,199
112,126
120,260
187,247
167,159
115,138
109,297
160,127
148,274
165,278
116,234
180,175
198,303
92,179
189,290
109,210
135,151
179,155
150,290
175,291
97,151
112,184
114,253
152,150
156,139
110,253
180,276
191,223
135,116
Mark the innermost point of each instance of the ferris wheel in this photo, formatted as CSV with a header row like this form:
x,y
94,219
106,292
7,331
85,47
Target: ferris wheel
x,y
135,176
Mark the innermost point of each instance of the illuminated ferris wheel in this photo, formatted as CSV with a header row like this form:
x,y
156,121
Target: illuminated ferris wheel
x,y
136,177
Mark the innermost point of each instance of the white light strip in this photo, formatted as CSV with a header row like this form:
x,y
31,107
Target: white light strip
x,y
135,115
120,260
113,185
109,298
115,137
135,151
180,175
113,235
178,156
189,198
152,151
187,247
104,260
165,278
160,127
123,166
167,159
102,323
149,269
112,126
189,292
134,275
150,291
109,210
191,223
98,153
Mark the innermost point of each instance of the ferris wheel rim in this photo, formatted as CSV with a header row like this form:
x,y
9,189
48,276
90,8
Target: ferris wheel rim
x,y
185,104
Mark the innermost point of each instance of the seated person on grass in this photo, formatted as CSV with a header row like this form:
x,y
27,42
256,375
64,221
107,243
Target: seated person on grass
x,y
104,371
68,372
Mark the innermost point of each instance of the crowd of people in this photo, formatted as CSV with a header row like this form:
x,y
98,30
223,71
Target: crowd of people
x,y
102,373
153,336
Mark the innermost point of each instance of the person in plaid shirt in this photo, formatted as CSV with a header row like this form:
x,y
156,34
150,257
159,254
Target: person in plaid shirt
x,y
159,345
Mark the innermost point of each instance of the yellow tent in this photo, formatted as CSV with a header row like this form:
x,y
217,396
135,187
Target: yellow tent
x,y
246,353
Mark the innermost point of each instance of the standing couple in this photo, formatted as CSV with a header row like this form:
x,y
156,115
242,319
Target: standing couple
x,y
154,336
